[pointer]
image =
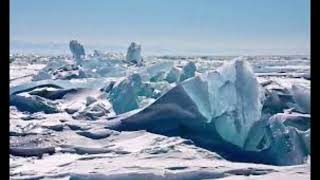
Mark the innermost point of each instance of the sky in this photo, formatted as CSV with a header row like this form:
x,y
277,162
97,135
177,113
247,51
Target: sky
x,y
167,27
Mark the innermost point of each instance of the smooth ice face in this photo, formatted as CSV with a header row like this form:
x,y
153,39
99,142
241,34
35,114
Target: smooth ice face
x,y
188,71
173,75
301,95
229,98
134,53
123,95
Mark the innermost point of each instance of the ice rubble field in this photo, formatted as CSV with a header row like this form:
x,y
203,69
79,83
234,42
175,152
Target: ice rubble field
x,y
110,116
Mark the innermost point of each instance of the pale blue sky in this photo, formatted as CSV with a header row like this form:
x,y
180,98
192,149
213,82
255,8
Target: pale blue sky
x,y
163,26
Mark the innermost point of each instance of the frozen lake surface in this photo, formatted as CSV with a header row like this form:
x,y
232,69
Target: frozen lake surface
x,y
98,118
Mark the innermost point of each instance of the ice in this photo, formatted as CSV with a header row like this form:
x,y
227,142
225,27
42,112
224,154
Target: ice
x,y
301,95
173,75
154,69
229,98
286,93
52,66
92,83
197,128
95,110
158,77
221,110
42,75
235,94
103,68
92,68
282,139
146,90
97,53
306,139
123,95
277,101
188,71
296,120
33,103
77,50
134,53
287,146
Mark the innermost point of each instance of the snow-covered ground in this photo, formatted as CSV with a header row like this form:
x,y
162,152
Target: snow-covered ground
x,y
74,143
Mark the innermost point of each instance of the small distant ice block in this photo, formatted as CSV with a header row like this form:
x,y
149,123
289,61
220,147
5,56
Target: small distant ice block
x,y
97,53
77,49
134,53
